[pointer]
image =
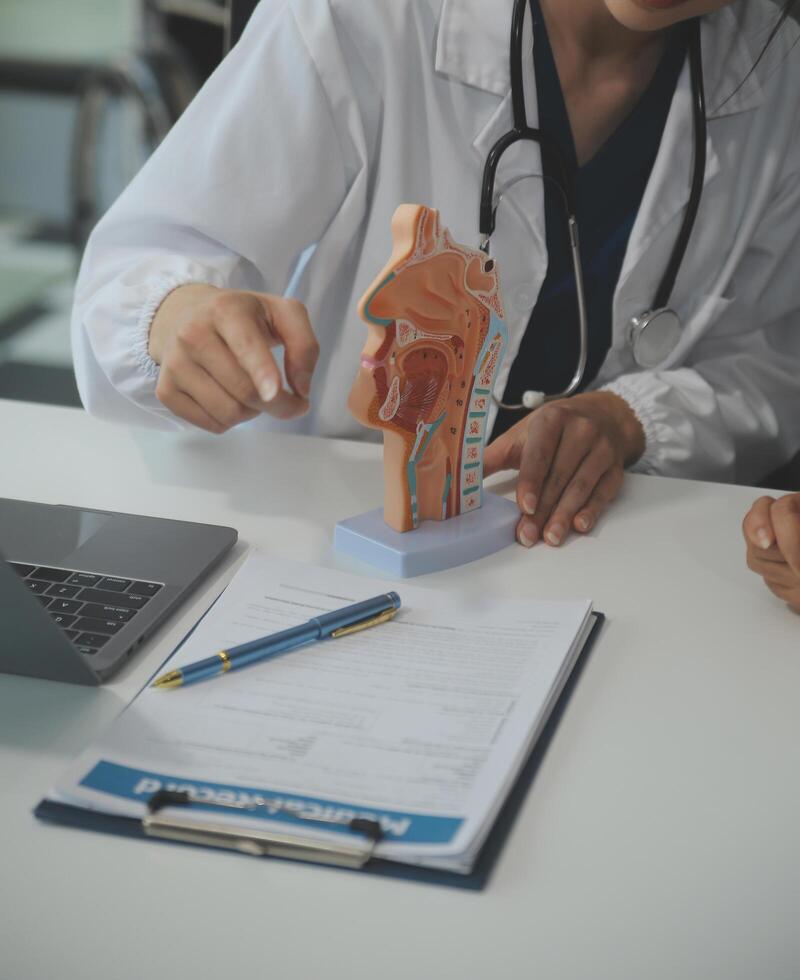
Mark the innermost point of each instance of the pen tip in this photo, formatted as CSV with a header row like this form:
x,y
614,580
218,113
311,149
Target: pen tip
x,y
173,678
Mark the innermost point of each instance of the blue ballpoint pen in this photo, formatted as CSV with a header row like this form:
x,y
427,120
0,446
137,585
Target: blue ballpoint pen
x,y
341,622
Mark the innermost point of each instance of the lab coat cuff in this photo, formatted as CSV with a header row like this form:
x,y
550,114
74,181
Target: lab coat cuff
x,y
638,394
156,294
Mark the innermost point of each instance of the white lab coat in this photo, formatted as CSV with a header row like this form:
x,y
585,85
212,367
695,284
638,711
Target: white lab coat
x,y
283,175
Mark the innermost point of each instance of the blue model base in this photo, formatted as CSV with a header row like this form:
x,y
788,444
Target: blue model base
x,y
434,545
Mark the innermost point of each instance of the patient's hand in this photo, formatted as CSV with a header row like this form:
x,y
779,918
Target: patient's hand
x,y
217,368
772,532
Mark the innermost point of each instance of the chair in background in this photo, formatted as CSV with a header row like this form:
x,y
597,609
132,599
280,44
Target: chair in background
x,y
239,12
92,58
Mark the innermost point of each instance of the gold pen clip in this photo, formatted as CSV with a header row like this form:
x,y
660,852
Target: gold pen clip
x,y
365,624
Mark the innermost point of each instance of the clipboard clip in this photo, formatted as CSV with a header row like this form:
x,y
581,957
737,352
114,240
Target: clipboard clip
x,y
260,843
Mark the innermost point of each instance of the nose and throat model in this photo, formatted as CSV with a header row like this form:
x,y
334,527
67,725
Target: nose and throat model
x,y
436,338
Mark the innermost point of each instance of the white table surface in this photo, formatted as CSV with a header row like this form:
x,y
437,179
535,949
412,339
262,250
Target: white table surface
x,y
661,836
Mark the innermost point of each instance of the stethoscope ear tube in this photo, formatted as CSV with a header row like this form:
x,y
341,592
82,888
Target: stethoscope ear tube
x,y
534,399
652,336
553,163
664,292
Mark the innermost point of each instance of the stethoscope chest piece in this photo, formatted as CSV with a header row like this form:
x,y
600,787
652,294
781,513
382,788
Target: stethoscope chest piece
x,y
654,336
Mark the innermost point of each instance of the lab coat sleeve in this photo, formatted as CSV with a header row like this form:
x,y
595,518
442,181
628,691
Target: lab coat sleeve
x,y
246,181
731,410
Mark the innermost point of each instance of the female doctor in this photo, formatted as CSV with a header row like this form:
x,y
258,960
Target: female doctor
x,y
225,279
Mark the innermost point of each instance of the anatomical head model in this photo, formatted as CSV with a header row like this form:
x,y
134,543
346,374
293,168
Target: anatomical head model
x,y
436,337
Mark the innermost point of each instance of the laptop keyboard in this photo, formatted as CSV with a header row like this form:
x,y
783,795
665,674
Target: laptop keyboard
x,y
90,608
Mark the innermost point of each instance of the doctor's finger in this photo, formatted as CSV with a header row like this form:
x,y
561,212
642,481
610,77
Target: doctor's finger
x,y
183,405
209,394
542,434
576,495
757,525
565,468
504,453
606,490
241,323
786,524
246,335
217,359
286,405
290,326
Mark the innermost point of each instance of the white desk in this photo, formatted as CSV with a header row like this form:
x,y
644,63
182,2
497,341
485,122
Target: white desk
x,y
659,839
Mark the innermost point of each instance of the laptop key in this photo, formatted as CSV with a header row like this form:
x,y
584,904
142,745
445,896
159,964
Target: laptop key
x,y
51,574
83,649
145,588
114,584
115,613
72,634
107,626
84,578
36,587
21,569
45,600
65,606
62,619
112,598
136,595
62,591
92,639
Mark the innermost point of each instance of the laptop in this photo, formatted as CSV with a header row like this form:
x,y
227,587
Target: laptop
x,y
80,590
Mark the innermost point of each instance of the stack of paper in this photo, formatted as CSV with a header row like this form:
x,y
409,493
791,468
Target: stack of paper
x,y
422,724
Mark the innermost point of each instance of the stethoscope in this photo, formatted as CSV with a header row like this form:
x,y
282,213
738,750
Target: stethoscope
x,y
653,335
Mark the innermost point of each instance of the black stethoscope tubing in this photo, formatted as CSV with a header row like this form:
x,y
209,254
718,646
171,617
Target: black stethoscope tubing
x,y
553,163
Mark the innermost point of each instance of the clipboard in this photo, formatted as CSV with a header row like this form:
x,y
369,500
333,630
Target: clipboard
x,y
358,856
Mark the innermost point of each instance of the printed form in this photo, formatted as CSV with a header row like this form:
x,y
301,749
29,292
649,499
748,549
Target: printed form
x,y
422,723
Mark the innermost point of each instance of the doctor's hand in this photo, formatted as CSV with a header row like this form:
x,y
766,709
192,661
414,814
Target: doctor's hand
x,y
571,456
772,532
216,364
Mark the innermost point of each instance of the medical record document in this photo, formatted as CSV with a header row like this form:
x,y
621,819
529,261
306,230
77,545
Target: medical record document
x,y
421,724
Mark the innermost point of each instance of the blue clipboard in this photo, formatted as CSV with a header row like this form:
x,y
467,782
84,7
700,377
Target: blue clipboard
x,y
477,879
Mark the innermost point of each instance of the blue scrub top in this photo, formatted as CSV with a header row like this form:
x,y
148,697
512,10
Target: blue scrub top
x,y
609,189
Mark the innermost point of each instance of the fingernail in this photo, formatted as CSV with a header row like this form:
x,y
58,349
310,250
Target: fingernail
x,y
528,534
302,383
268,389
529,503
554,534
763,538
582,522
